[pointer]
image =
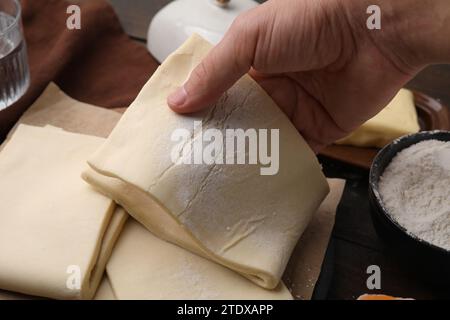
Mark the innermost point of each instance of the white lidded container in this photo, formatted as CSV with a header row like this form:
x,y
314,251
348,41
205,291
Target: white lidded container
x,y
178,20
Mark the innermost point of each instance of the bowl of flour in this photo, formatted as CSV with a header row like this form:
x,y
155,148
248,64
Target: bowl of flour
x,y
409,192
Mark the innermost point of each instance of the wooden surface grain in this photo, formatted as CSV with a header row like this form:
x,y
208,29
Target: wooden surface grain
x,y
355,241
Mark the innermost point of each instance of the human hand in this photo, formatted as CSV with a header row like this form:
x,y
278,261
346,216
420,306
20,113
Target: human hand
x,y
318,61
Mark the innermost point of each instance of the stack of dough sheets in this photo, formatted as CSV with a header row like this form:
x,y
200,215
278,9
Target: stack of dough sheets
x,y
142,266
230,214
224,224
56,232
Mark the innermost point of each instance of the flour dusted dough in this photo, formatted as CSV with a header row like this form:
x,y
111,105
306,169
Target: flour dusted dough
x,y
51,219
228,213
398,118
143,266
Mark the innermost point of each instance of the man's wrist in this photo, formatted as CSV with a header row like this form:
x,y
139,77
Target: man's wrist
x,y
414,33
424,27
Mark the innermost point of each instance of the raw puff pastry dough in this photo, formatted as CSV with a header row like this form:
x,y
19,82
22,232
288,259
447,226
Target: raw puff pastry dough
x,y
49,217
228,213
138,269
145,267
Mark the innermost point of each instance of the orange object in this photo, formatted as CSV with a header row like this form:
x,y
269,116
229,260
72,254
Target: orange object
x,y
379,297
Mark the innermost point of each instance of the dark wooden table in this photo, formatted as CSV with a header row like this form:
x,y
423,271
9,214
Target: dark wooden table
x,y
354,244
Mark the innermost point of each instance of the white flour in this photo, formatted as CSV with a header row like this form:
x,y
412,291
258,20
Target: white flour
x,y
415,189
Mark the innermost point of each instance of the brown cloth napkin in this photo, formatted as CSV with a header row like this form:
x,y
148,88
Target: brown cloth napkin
x,y
98,64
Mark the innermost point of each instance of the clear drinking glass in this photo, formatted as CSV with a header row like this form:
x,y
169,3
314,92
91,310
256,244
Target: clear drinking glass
x,y
14,73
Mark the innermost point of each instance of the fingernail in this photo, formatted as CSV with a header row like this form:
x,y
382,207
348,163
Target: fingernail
x,y
178,98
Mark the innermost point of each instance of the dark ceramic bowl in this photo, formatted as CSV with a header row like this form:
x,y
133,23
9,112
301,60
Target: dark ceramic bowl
x,y
425,260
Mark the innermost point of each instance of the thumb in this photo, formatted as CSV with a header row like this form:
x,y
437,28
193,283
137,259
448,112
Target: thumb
x,y
219,70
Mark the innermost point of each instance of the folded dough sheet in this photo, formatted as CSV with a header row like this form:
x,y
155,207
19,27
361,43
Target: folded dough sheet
x,y
144,267
230,214
55,231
